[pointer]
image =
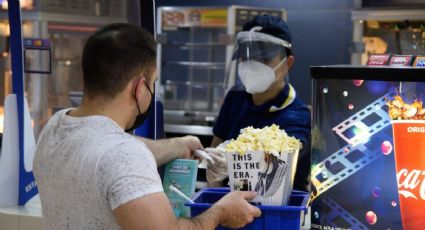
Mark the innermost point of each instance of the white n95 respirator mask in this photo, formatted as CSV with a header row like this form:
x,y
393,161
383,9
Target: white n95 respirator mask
x,y
249,70
256,76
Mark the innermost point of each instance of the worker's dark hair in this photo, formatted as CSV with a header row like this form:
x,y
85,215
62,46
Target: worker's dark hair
x,y
115,55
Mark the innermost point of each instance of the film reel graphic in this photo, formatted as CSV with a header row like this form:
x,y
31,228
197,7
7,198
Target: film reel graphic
x,y
338,216
364,132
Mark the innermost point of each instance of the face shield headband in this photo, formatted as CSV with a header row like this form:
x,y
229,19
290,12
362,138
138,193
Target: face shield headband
x,y
255,60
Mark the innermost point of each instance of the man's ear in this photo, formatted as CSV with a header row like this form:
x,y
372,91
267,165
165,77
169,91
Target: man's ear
x,y
137,85
291,61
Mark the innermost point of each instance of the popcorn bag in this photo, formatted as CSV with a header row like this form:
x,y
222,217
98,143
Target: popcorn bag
x,y
408,123
263,160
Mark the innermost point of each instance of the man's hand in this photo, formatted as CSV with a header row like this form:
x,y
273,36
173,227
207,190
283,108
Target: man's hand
x,y
166,150
236,211
187,145
154,211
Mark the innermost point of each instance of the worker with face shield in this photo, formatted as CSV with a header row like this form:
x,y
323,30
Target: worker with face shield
x,y
259,94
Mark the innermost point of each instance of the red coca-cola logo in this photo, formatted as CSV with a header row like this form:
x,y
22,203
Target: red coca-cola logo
x,y
378,59
411,184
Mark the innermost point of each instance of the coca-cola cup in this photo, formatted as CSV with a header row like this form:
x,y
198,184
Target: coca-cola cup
x,y
409,150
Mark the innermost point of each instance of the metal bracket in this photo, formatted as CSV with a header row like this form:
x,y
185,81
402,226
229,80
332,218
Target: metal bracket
x,y
161,39
357,47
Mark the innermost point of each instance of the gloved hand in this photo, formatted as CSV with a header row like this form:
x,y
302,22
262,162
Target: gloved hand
x,y
217,171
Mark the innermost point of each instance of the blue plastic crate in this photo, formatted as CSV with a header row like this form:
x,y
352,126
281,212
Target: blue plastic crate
x,y
273,217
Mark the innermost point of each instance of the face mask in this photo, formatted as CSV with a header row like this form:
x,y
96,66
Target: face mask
x,y
141,117
256,76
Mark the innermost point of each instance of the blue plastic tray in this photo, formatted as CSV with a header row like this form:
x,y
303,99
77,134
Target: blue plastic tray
x,y
273,217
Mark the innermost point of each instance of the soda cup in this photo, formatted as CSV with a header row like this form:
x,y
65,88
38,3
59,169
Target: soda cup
x,y
409,150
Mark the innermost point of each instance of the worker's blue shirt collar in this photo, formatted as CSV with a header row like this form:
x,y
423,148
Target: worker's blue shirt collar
x,y
281,101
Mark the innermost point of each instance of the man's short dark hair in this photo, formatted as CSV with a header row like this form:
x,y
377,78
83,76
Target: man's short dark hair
x,y
113,56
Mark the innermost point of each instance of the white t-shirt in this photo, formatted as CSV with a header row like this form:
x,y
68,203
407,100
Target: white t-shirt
x,y
86,167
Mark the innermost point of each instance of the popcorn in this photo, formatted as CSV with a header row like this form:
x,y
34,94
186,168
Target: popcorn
x,y
399,110
270,139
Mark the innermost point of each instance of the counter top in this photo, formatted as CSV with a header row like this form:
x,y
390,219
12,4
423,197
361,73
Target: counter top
x,y
28,217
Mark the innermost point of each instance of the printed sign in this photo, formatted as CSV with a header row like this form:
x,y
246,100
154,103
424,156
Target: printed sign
x,y
378,59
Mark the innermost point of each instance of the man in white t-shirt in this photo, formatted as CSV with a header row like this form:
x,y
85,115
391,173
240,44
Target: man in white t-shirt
x,y
91,174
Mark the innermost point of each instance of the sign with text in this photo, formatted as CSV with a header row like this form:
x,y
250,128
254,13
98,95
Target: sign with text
x,y
270,176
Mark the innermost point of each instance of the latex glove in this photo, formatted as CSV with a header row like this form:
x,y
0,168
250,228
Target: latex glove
x,y
203,155
217,170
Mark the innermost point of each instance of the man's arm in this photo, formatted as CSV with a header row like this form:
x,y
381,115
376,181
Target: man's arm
x,y
216,141
166,150
154,212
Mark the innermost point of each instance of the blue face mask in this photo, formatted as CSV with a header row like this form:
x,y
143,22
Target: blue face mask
x,y
141,117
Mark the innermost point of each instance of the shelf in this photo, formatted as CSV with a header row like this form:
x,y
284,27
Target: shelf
x,y
199,65
389,15
183,113
194,84
379,73
193,44
189,27
189,129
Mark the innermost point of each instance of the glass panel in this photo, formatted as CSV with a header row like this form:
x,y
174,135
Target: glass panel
x,y
396,37
193,61
37,61
366,134
68,29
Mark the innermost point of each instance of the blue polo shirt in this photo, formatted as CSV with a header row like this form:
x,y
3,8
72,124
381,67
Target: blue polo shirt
x,y
285,110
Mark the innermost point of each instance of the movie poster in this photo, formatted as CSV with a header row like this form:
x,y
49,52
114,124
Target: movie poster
x,y
368,155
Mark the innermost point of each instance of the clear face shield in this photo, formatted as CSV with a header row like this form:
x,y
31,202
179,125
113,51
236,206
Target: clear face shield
x,y
259,61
